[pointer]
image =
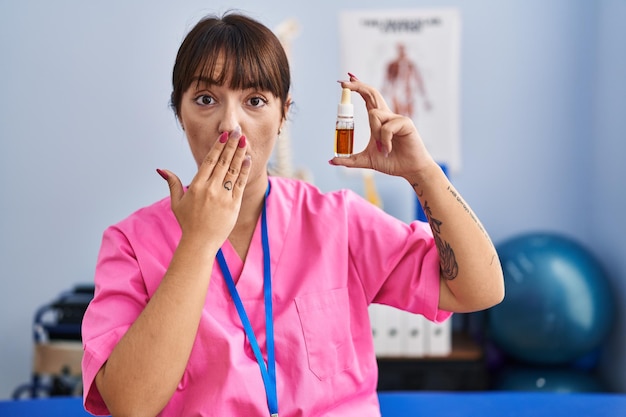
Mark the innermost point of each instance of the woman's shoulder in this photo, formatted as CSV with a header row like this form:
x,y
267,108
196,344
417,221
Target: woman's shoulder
x,y
298,189
307,199
157,215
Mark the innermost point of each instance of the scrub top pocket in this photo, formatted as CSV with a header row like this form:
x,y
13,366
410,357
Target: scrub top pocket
x,y
325,320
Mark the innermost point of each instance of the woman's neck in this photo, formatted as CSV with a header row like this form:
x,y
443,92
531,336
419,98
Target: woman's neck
x,y
251,207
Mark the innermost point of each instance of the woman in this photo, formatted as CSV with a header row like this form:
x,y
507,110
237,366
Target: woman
x,y
242,293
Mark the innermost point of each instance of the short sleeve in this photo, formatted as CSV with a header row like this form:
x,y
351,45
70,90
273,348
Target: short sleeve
x,y
397,263
119,298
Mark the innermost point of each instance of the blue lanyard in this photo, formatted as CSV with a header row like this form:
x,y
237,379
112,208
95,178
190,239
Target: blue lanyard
x,y
268,373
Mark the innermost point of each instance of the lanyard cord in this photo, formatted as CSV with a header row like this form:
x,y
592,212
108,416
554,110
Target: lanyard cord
x,y
268,373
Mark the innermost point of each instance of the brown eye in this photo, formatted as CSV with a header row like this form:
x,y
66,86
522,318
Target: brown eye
x,y
204,100
257,101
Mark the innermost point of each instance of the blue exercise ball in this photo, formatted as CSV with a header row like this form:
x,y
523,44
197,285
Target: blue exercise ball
x,y
548,380
558,305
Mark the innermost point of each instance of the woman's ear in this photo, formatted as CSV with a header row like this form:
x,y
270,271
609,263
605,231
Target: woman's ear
x,y
288,104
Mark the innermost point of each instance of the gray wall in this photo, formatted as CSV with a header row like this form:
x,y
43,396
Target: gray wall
x,y
607,170
84,122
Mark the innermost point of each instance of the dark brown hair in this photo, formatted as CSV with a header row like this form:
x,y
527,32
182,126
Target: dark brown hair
x,y
252,57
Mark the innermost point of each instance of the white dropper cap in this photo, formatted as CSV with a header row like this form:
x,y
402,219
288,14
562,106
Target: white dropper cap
x,y
345,108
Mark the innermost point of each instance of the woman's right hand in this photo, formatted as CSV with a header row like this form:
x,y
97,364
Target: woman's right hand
x,y
208,210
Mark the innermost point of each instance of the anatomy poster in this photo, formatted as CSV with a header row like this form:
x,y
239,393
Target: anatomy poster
x,y
412,57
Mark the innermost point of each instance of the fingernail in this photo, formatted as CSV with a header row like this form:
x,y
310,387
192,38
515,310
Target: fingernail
x,y
242,141
379,146
247,161
352,76
224,137
331,162
162,173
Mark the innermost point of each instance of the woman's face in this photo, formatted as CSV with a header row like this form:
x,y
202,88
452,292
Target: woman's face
x,y
207,110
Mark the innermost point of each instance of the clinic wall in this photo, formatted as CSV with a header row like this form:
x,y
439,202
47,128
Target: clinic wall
x,y
608,193
84,122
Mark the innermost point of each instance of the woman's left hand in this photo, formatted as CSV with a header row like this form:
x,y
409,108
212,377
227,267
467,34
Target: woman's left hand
x,y
395,146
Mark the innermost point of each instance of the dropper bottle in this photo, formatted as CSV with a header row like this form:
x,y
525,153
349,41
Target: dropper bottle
x,y
344,130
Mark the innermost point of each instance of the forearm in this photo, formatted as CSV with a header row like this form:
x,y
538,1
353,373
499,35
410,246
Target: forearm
x,y
145,367
470,269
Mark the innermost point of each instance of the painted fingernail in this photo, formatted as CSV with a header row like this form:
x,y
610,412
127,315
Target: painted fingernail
x,y
379,146
242,141
162,173
331,162
352,76
247,161
224,137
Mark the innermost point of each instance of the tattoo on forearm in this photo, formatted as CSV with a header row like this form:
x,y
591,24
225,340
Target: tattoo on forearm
x,y
460,200
447,259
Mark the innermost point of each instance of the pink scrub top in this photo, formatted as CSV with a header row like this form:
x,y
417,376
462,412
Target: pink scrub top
x,y
331,256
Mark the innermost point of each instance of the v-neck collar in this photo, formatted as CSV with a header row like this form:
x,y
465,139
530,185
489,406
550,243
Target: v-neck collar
x,y
254,258
248,274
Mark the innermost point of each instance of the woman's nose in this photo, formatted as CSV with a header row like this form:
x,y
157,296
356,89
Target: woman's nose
x,y
229,120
